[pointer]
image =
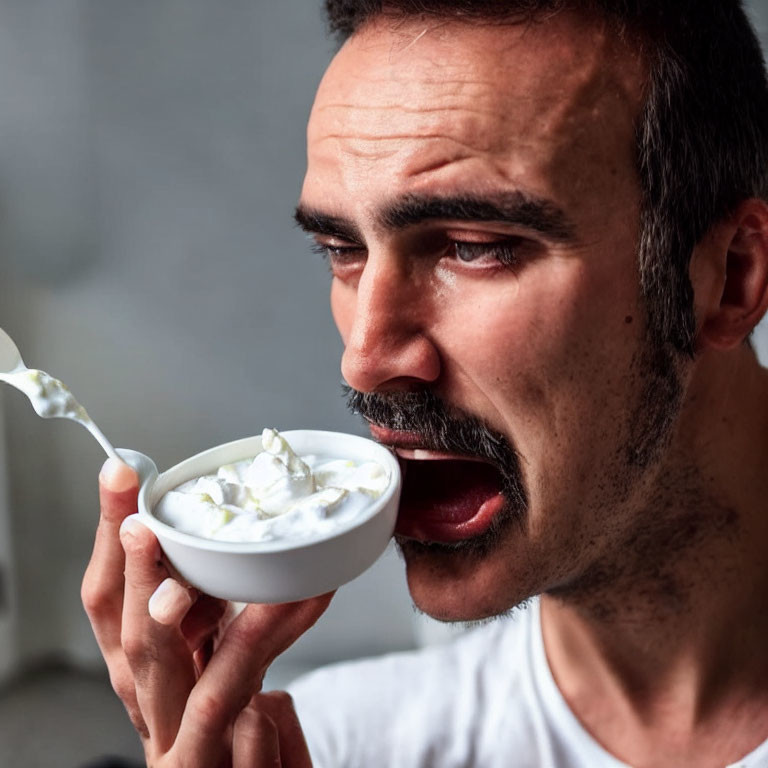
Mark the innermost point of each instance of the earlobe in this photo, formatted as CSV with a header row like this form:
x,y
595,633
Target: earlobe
x,y
742,298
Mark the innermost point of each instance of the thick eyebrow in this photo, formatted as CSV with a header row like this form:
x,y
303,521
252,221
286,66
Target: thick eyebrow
x,y
517,208
315,222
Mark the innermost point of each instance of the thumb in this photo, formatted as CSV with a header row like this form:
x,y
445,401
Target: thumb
x,y
118,491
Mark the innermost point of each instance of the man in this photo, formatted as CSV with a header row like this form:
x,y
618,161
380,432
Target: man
x,y
547,228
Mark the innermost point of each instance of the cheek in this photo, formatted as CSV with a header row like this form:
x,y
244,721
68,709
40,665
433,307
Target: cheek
x,y
548,366
540,329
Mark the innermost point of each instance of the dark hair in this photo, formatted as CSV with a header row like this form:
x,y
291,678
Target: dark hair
x,y
701,137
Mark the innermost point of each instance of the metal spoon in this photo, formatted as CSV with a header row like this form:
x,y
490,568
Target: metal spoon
x,y
49,397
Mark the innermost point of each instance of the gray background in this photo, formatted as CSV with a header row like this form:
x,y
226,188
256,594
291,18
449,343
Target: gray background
x,y
151,153
150,160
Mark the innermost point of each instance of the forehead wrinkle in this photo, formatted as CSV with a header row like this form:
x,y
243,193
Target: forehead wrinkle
x,y
455,127
378,154
546,99
403,108
409,76
506,106
371,114
420,154
352,137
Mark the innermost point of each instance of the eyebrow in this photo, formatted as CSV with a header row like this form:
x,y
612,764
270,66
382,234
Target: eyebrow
x,y
517,208
316,222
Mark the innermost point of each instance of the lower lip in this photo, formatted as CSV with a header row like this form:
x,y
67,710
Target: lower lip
x,y
424,527
421,525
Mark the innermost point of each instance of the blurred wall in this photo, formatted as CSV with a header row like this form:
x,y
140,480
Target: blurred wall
x,y
151,153
151,156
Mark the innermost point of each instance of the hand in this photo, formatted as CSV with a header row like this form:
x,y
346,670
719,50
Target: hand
x,y
193,706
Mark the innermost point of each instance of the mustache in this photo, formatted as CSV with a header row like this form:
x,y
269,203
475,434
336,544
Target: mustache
x,y
443,427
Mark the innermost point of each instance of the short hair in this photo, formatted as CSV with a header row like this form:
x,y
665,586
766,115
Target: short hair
x,y
701,136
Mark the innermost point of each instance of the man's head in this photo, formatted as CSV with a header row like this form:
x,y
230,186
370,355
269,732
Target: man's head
x,y
488,189
701,134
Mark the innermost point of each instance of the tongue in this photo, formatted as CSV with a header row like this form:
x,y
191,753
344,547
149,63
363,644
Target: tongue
x,y
442,497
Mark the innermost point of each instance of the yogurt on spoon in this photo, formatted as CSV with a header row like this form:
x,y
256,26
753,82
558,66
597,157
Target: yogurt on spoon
x,y
49,397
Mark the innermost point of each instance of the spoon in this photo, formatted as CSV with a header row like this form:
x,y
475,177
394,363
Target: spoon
x,y
49,397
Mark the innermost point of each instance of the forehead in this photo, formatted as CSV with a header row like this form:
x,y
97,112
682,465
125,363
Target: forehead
x,y
544,105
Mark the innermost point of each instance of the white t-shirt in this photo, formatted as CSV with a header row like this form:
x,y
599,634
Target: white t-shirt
x,y
486,699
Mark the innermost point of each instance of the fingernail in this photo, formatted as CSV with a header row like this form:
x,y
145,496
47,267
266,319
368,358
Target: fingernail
x,y
117,476
131,526
169,602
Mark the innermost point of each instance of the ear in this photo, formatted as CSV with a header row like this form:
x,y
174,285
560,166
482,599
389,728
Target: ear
x,y
729,273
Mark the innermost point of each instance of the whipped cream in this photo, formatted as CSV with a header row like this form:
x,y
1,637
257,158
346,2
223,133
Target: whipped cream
x,y
275,495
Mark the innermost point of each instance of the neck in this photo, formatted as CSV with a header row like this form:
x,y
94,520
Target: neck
x,y
654,640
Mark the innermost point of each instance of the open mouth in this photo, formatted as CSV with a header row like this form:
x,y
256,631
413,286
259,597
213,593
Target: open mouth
x,y
445,497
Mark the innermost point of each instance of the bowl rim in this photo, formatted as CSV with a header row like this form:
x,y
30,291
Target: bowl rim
x,y
385,456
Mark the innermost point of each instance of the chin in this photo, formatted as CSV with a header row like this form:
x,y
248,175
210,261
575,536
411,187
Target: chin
x,y
464,583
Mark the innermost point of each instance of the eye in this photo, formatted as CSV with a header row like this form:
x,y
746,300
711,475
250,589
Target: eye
x,y
503,252
342,260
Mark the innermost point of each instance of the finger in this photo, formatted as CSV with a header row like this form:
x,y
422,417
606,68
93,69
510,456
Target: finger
x,y
102,589
203,655
158,655
197,616
203,620
237,668
278,707
170,603
255,741
121,677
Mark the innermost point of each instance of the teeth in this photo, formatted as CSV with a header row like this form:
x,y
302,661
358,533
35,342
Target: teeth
x,y
421,454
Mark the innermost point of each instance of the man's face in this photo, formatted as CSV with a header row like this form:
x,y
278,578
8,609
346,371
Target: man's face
x,y
475,189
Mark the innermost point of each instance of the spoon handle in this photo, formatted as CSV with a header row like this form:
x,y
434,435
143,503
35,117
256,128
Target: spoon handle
x,y
102,440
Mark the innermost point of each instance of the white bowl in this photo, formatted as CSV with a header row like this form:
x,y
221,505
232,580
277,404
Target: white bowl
x,y
272,571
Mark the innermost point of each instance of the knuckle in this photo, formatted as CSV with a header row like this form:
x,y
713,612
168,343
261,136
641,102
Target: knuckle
x,y
111,513
144,576
244,639
141,541
256,720
138,651
96,600
144,570
282,700
277,704
122,685
208,711
115,506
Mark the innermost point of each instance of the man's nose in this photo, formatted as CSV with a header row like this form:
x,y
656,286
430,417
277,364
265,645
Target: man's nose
x,y
388,346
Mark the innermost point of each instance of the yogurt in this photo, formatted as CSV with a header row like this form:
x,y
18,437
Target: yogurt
x,y
276,495
52,399
49,397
